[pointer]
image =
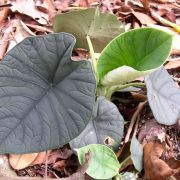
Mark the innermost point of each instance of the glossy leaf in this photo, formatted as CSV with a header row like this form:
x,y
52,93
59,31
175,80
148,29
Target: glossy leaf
x,y
46,99
101,27
136,154
133,54
163,97
106,122
104,163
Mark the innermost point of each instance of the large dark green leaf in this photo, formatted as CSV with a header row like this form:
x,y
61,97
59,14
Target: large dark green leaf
x,y
101,27
46,99
163,97
107,122
133,54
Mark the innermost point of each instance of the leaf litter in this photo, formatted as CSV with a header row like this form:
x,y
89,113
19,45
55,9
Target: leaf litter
x,y
161,144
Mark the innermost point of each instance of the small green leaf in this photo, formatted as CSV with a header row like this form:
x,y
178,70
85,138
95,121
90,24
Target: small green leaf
x,y
136,154
133,54
163,97
104,163
106,122
101,27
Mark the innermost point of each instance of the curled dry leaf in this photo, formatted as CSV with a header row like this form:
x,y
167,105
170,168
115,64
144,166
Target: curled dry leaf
x,y
28,8
144,18
154,167
173,64
63,153
41,157
21,161
4,42
19,32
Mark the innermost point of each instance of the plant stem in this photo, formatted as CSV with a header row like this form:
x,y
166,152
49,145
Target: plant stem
x,y
127,159
91,51
117,177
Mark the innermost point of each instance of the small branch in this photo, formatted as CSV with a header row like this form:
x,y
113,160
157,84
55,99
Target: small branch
x,y
133,120
125,160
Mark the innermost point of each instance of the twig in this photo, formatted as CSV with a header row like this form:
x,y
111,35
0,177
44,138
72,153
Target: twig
x,y
165,22
136,125
46,165
39,28
133,120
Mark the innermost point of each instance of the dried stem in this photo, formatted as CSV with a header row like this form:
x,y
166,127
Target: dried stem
x,y
133,120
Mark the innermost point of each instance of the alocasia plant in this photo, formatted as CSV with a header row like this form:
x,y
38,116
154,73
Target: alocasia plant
x,y
46,99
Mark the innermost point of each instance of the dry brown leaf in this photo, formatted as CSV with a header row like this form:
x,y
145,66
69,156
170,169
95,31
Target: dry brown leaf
x,y
21,161
173,64
20,31
3,15
39,28
41,157
151,130
166,1
4,42
143,18
59,165
146,4
154,167
63,153
62,5
28,8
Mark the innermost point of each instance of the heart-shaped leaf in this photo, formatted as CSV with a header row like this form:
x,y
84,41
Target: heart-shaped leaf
x,y
106,123
104,163
133,54
46,99
136,154
101,27
163,96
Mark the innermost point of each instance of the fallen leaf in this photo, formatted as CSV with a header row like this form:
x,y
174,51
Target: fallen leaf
x,y
21,161
3,15
154,167
4,42
63,153
151,130
173,64
174,164
79,175
20,31
146,4
143,18
166,1
40,158
28,8
5,169
59,165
